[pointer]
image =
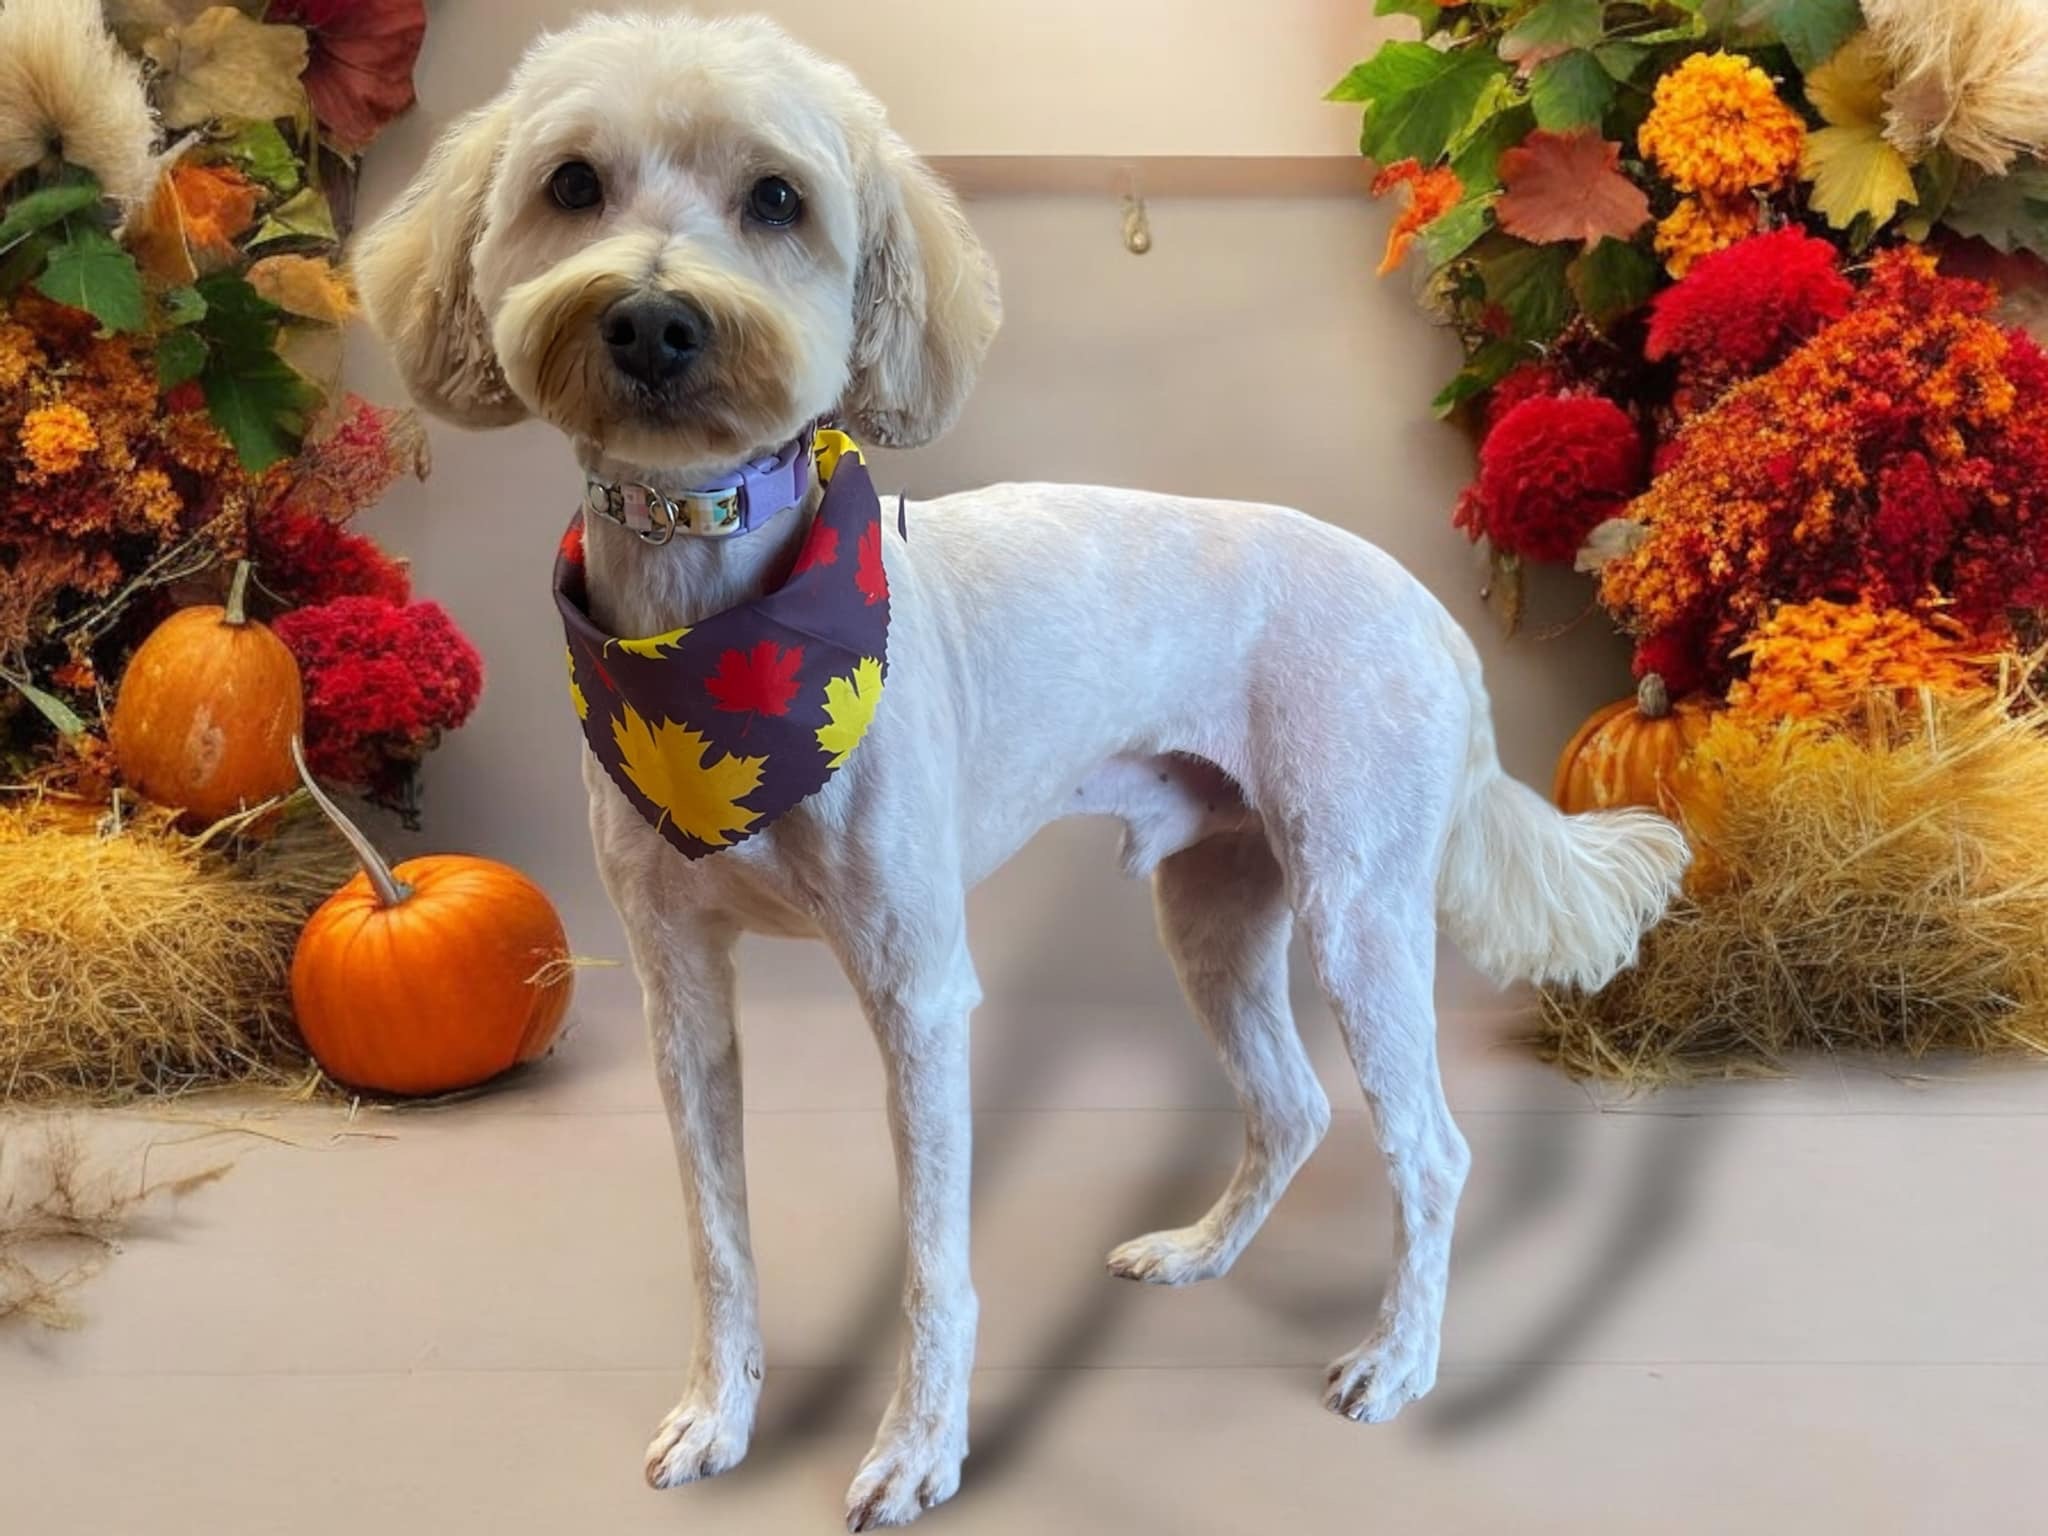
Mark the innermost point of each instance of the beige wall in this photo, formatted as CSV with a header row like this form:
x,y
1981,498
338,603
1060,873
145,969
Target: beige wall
x,y
1251,354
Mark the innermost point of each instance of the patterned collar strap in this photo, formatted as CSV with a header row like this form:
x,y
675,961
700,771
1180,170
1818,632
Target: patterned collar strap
x,y
713,731
737,503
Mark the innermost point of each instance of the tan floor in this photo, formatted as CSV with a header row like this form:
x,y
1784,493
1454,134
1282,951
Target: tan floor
x,y
1811,1306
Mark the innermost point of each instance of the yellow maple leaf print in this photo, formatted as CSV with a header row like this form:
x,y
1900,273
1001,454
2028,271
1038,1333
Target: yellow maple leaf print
x,y
652,647
850,702
575,688
666,764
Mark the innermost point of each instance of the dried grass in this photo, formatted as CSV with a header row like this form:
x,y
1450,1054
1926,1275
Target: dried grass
x,y
139,959
63,1215
1880,889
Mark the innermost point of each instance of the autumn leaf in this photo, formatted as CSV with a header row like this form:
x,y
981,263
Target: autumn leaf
x,y
306,286
850,705
1568,186
666,764
360,76
224,63
192,222
1854,169
1430,195
654,647
760,681
575,688
821,548
868,574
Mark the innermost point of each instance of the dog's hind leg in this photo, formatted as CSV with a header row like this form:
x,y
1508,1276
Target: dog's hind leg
x,y
1375,953
917,984
1224,917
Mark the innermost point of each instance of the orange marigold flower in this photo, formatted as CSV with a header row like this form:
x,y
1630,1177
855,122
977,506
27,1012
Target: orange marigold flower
x,y
1719,127
1700,226
19,354
56,438
1821,660
1431,194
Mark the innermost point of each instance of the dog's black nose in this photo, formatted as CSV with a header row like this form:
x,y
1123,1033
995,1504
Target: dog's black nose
x,y
654,337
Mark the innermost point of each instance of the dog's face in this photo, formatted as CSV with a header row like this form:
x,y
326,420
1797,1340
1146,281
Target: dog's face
x,y
680,241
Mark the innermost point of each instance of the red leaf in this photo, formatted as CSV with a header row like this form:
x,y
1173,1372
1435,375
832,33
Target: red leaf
x,y
821,548
761,681
868,575
1568,186
363,51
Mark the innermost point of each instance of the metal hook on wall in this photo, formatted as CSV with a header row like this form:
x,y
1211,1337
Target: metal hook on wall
x,y
1137,222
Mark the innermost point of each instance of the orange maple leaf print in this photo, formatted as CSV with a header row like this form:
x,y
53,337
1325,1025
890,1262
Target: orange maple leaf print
x,y
761,681
868,575
821,548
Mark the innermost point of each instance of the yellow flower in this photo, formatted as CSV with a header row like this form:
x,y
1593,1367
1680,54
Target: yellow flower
x,y
1700,226
56,438
1718,127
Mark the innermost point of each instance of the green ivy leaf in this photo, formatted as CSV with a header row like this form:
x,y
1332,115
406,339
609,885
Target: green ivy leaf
x,y
1416,98
22,263
88,270
261,404
261,151
1811,30
1621,60
1553,27
181,355
1484,369
1614,279
1450,236
1477,161
1571,91
1936,179
238,318
183,306
1527,284
2009,212
39,210
303,216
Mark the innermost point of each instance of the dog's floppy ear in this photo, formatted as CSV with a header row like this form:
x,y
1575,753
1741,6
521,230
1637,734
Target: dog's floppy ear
x,y
925,304
412,268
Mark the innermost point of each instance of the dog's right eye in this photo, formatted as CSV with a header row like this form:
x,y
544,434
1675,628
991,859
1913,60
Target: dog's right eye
x,y
575,186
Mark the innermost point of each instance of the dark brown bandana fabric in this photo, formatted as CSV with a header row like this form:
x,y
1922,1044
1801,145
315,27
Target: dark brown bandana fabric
x,y
714,731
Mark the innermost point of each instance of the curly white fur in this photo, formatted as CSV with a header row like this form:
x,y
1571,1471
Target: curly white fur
x,y
1291,728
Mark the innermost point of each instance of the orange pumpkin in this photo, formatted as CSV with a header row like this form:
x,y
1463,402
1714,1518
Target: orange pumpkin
x,y
207,711
430,977
1629,752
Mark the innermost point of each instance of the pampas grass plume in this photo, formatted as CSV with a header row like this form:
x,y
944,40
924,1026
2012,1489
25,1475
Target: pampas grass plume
x,y
68,93
1970,76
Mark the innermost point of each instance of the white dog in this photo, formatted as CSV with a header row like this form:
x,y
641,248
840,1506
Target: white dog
x,y
1291,728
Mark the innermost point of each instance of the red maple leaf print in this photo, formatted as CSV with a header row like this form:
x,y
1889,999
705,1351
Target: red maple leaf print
x,y
760,681
868,574
603,677
572,543
821,548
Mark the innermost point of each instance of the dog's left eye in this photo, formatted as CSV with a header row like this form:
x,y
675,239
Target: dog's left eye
x,y
774,201
575,186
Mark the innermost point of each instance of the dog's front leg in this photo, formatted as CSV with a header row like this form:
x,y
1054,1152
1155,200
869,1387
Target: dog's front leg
x,y
686,972
917,983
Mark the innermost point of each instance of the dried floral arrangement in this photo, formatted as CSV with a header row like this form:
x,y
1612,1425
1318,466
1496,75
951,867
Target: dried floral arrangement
x,y
178,469
175,181
1737,283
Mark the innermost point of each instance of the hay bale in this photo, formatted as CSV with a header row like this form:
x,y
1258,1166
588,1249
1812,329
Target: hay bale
x,y
144,960
1883,889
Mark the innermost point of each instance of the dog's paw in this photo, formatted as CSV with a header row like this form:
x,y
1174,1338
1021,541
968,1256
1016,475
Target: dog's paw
x,y
1180,1257
910,1470
1379,1378
699,1439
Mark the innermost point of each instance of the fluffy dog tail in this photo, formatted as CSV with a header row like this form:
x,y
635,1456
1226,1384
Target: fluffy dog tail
x,y
1529,893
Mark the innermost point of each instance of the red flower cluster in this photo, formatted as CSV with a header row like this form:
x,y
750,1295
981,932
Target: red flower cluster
x,y
383,681
1898,459
1525,381
1551,470
304,558
1742,310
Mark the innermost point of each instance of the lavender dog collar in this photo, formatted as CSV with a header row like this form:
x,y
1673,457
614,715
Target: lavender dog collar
x,y
736,503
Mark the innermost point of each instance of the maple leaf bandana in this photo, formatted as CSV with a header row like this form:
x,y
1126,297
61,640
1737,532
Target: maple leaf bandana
x,y
715,730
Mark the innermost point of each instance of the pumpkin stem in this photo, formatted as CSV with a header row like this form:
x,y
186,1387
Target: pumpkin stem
x,y
389,888
1653,699
238,596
